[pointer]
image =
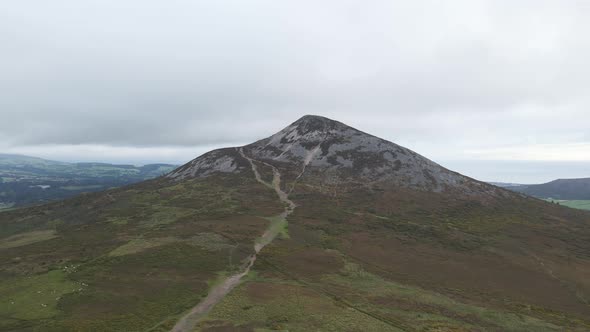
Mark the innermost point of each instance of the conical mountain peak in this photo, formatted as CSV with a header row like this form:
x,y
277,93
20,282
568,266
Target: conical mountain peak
x,y
315,147
310,118
316,122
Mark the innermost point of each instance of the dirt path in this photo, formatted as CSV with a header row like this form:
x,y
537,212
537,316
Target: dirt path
x,y
218,292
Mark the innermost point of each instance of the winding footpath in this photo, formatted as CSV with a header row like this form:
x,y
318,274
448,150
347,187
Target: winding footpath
x,y
218,292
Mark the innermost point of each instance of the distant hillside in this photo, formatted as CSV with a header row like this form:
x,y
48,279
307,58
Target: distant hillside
x,y
506,184
26,180
562,189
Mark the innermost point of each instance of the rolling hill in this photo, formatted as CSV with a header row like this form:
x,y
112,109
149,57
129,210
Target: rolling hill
x,y
320,227
28,180
562,189
574,193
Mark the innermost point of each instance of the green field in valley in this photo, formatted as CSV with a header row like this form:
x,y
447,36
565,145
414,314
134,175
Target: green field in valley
x,y
575,204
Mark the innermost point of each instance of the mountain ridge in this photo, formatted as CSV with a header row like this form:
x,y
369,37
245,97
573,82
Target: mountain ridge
x,y
568,189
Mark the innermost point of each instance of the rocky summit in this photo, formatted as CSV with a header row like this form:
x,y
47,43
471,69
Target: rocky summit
x,y
319,148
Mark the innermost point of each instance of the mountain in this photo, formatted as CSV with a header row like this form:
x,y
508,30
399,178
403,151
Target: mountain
x,y
21,160
327,150
28,180
320,227
562,189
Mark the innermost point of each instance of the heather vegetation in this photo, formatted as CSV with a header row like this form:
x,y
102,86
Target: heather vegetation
x,y
125,259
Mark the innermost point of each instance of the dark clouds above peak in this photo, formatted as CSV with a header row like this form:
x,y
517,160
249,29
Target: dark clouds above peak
x,y
452,80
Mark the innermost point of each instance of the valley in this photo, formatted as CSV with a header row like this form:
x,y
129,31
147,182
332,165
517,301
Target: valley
x,y
28,180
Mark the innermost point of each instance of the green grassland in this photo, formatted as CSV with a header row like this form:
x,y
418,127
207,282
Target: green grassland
x,y
31,298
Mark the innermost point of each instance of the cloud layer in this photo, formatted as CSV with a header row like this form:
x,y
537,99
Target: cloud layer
x,y
452,80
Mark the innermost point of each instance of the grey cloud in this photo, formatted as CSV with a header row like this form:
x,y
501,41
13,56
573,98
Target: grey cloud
x,y
440,77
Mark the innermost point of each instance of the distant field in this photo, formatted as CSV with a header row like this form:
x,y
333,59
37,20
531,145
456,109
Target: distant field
x,y
6,205
88,187
575,204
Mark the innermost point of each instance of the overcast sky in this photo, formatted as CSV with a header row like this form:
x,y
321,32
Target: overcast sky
x,y
479,86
